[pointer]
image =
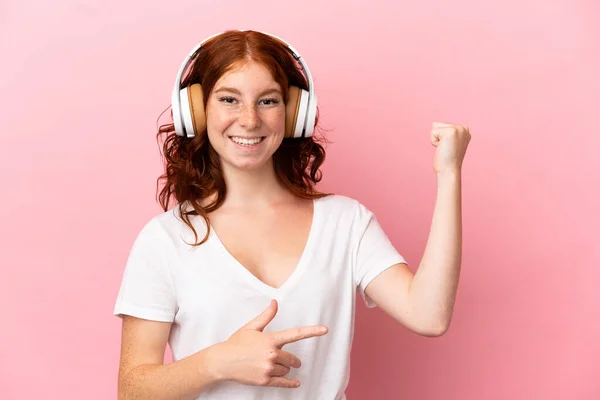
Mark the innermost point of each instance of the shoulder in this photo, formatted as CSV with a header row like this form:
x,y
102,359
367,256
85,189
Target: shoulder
x,y
341,206
169,227
342,203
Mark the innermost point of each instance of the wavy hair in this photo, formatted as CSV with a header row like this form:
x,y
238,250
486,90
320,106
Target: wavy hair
x,y
192,168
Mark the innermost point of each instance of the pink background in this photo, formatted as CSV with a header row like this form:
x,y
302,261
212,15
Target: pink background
x,y
82,84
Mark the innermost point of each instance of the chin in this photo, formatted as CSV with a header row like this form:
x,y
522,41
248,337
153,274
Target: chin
x,y
248,165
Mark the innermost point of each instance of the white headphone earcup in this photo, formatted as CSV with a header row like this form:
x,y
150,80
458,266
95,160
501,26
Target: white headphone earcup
x,y
186,114
302,111
176,111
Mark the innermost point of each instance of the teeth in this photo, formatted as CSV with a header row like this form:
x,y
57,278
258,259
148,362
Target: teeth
x,y
247,142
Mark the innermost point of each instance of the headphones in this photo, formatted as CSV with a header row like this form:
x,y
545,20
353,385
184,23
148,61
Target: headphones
x,y
189,113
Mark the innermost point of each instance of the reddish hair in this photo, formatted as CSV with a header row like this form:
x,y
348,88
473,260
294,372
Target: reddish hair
x,y
192,168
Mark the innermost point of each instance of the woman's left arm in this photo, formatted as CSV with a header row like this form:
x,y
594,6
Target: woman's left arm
x,y
424,301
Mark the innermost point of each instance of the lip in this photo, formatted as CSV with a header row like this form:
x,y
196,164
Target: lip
x,y
246,147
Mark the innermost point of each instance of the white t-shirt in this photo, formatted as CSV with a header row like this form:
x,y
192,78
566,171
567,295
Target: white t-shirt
x,y
208,294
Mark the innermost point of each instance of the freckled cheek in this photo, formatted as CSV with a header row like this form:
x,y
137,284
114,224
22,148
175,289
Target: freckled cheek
x,y
219,121
276,122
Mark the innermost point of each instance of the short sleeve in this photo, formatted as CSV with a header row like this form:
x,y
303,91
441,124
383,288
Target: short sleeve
x,y
147,290
374,254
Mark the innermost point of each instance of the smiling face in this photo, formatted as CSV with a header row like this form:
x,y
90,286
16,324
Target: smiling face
x,y
245,116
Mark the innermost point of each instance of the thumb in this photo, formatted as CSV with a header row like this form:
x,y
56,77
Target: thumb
x,y
259,323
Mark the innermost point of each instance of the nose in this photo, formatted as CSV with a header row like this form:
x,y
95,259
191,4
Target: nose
x,y
249,117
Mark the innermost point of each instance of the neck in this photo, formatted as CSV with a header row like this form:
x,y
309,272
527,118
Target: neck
x,y
255,188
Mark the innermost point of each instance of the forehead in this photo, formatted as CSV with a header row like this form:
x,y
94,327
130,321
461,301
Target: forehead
x,y
248,75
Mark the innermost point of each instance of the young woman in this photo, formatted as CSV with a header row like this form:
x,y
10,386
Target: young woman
x,y
252,278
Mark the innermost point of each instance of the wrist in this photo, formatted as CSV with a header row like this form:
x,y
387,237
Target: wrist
x,y
450,173
209,363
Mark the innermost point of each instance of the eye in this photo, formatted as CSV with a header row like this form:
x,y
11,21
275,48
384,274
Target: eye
x,y
271,101
227,100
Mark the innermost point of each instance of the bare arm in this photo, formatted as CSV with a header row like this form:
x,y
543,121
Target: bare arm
x,y
142,374
249,356
433,290
424,301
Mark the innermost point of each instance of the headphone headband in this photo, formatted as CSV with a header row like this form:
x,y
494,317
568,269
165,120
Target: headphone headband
x,y
175,95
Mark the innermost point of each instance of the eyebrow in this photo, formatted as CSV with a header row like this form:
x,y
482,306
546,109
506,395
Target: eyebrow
x,y
234,90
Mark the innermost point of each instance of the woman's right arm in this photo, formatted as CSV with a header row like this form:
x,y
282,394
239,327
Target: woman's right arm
x,y
142,374
250,356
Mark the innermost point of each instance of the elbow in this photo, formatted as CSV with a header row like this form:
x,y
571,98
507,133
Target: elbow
x,y
434,333
122,392
434,330
125,385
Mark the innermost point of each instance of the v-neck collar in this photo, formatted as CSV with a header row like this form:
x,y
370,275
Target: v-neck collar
x,y
296,274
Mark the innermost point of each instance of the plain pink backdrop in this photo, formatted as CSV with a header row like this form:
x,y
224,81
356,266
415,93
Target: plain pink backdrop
x,y
83,82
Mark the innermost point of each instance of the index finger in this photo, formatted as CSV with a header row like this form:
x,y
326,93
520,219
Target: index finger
x,y
295,334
